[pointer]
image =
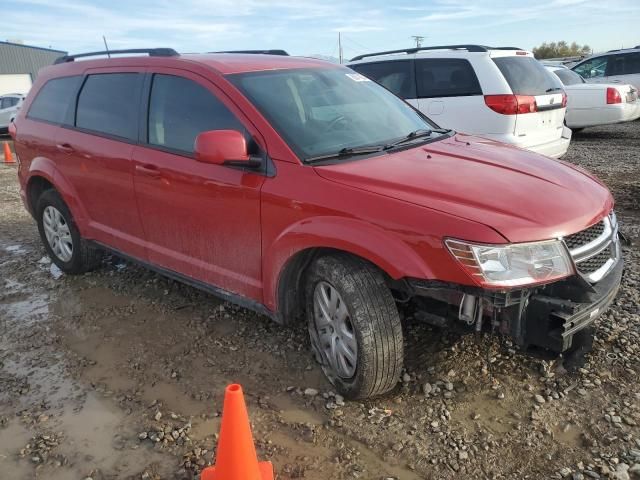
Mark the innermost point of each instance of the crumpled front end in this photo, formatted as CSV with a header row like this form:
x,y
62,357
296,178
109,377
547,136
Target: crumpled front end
x,y
547,316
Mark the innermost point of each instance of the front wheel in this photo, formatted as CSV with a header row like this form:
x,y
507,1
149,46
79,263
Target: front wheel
x,y
354,326
61,238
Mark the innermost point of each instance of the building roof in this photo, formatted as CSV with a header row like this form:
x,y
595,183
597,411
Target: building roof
x,y
32,47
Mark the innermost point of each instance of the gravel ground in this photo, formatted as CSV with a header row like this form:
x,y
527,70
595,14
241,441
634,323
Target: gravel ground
x,y
119,374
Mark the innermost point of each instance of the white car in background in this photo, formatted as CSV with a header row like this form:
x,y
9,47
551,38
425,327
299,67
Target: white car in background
x,y
592,104
615,66
10,103
503,94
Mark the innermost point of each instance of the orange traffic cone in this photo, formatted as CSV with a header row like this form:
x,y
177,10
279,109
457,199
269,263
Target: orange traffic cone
x,y
8,157
236,457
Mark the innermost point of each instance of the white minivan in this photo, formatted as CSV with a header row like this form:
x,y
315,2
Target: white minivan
x,y
503,94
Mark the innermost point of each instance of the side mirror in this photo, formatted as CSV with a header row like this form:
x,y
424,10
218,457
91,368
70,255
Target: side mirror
x,y
223,147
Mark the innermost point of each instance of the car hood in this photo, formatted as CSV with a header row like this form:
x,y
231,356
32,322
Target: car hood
x,y
522,195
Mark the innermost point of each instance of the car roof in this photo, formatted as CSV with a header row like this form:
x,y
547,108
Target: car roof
x,y
635,49
223,63
458,51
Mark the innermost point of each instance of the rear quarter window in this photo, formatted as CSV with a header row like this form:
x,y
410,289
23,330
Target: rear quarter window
x,y
527,76
396,76
442,77
53,99
108,104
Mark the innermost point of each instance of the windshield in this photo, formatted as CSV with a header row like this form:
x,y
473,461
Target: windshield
x,y
569,77
527,76
323,111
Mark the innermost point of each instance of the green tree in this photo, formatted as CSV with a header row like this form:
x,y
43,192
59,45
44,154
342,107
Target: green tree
x,y
560,49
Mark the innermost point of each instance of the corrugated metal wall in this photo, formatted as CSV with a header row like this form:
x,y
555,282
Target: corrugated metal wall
x,y
16,58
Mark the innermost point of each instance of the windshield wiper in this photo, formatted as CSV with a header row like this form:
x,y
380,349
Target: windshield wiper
x,y
347,152
552,89
423,132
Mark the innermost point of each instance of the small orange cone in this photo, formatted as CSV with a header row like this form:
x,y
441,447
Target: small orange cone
x,y
236,457
8,157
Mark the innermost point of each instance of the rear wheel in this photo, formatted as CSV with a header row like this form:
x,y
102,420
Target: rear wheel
x,y
354,326
61,237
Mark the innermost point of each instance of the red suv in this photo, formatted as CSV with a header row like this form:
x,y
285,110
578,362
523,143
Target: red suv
x,y
301,189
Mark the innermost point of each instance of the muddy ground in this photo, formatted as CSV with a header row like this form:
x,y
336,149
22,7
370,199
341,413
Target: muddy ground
x,y
119,374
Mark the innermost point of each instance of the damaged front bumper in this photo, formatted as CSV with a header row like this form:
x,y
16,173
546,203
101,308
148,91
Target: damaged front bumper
x,y
548,316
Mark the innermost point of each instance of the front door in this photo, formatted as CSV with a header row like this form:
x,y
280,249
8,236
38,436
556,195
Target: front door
x,y
200,220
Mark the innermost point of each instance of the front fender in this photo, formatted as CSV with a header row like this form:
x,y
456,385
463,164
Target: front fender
x,y
389,252
46,168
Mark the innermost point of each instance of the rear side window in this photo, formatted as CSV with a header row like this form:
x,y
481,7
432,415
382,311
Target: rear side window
x,y
443,77
180,109
527,76
396,76
53,99
108,103
624,64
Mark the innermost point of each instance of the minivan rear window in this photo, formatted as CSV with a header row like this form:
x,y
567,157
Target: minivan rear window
x,y
108,103
527,76
53,99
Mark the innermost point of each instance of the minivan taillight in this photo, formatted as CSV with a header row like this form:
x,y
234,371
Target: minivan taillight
x,y
613,95
511,104
564,100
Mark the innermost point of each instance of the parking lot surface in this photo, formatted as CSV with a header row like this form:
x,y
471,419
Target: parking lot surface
x,y
120,373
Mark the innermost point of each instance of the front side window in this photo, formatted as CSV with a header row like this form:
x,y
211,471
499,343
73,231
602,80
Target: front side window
x,y
443,77
320,111
593,68
180,109
108,103
395,75
53,99
568,77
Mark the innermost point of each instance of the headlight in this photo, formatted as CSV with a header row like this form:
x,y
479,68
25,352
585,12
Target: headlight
x,y
513,265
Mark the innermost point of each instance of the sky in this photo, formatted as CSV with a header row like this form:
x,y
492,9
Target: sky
x,y
306,27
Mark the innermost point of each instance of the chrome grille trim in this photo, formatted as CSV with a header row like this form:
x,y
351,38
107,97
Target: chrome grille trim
x,y
608,239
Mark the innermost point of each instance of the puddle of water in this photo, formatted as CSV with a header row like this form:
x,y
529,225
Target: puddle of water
x,y
204,429
175,400
12,438
568,434
495,416
291,412
34,309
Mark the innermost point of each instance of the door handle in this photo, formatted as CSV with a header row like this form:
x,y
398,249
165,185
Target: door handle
x,y
65,148
148,170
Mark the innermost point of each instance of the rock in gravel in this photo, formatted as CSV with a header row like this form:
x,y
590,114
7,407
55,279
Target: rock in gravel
x,y
158,416
539,398
427,388
310,392
406,378
565,472
448,386
622,472
143,435
463,455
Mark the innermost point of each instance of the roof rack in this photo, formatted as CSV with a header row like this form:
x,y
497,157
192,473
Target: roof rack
x,y
152,52
469,48
259,52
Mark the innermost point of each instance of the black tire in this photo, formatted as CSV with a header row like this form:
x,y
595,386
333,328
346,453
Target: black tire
x,y
374,320
84,257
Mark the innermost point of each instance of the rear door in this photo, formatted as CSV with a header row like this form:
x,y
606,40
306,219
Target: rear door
x,y
95,155
624,68
200,220
529,78
448,90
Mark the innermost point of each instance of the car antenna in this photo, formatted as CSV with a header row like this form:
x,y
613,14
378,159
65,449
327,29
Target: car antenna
x,y
106,47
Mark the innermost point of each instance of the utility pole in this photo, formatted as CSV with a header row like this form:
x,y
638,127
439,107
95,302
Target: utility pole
x,y
340,47
418,40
